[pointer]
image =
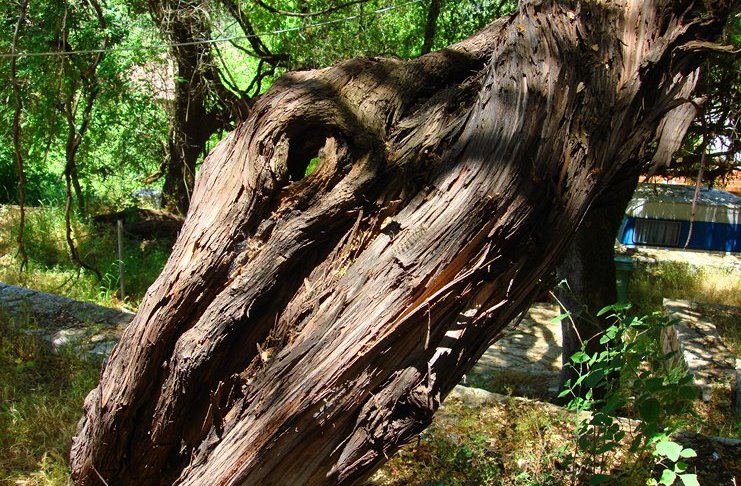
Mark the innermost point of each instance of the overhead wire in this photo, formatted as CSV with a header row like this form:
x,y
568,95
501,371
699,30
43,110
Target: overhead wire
x,y
164,47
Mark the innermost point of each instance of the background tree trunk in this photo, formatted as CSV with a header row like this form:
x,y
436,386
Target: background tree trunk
x,y
305,327
203,105
588,266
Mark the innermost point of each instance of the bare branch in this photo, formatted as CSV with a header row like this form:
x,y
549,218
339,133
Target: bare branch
x,y
702,46
257,44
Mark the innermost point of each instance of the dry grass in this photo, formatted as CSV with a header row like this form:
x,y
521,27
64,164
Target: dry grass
x,y
512,442
709,285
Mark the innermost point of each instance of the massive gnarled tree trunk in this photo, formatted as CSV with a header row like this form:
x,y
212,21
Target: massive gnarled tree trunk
x,y
305,327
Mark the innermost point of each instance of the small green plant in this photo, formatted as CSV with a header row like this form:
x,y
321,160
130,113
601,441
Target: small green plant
x,y
668,449
629,373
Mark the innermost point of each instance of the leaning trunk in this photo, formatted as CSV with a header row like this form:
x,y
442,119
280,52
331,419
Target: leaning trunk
x,y
307,326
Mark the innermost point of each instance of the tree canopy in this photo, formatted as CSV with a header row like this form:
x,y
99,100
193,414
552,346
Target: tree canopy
x,y
108,74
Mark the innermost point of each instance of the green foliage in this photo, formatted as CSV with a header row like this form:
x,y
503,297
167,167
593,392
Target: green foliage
x,y
313,163
458,20
41,395
129,127
630,372
128,124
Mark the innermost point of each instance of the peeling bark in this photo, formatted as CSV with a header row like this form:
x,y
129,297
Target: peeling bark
x,y
305,327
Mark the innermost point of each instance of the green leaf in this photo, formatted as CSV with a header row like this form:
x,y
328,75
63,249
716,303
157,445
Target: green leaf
x,y
580,357
606,447
612,403
667,477
688,453
689,479
653,384
560,318
600,419
686,379
594,378
649,409
687,392
613,307
650,430
611,332
313,163
580,380
599,479
604,310
669,449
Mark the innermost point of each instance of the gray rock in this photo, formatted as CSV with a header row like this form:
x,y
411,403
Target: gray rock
x,y
63,322
699,348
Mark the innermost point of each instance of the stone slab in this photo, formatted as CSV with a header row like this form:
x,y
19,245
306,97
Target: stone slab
x,y
527,359
61,321
700,348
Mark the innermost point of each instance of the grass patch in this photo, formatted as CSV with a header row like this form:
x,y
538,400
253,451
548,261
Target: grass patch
x,y
718,293
512,442
41,396
649,284
51,270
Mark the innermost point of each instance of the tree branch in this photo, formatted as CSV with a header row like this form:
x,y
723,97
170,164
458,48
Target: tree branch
x,y
431,27
257,44
289,13
17,144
